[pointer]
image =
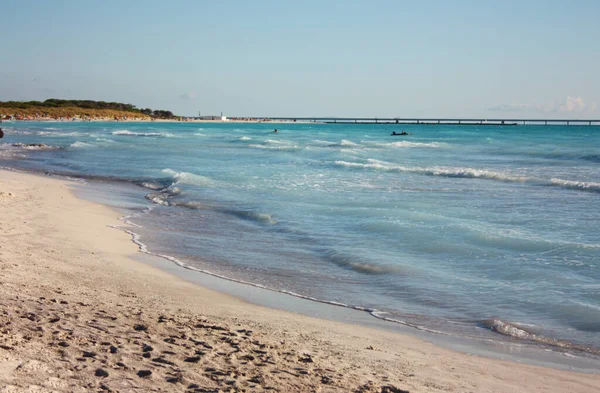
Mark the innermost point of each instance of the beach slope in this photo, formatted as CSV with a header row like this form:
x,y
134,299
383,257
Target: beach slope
x,y
78,314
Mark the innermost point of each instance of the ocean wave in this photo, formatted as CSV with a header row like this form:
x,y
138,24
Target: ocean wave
x,y
188,178
520,332
353,263
164,198
282,147
344,144
245,138
576,185
31,146
471,173
513,330
159,184
319,142
277,142
153,134
79,144
159,198
382,315
250,215
434,145
47,133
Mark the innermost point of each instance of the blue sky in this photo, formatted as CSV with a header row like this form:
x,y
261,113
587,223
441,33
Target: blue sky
x,y
310,58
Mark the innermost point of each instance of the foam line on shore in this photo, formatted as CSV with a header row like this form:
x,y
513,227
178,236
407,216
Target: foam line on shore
x,y
547,342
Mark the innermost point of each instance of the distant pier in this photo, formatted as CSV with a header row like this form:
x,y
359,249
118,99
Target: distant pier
x,y
445,121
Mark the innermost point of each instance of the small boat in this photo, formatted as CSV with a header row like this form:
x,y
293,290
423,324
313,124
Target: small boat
x,y
403,133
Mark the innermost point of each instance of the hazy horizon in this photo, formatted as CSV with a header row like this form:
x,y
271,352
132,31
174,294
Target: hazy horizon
x,y
528,59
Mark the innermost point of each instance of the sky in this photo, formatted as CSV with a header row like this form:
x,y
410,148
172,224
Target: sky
x,y
488,59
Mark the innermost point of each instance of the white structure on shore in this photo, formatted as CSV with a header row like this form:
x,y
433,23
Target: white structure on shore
x,y
213,118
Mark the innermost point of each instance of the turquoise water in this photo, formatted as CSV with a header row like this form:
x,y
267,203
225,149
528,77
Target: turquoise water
x,y
487,232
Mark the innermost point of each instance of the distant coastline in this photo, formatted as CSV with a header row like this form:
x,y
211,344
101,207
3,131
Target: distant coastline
x,y
89,110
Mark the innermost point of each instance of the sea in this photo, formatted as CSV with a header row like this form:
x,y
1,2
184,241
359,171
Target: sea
x,y
474,231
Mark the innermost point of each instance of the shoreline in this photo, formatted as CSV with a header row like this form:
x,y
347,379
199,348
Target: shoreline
x,y
552,353
61,246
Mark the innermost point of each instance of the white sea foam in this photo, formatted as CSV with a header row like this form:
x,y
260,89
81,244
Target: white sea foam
x,y
347,143
434,145
245,138
79,144
105,140
576,185
188,178
283,147
131,133
277,142
49,133
471,173
158,198
435,171
319,142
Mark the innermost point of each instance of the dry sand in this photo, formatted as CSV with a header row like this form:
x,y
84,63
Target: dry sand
x,y
78,314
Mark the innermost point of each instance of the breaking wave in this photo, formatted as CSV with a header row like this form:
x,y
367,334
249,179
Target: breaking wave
x,y
79,144
347,143
47,133
353,263
276,145
188,178
576,185
164,198
519,332
471,173
131,133
434,145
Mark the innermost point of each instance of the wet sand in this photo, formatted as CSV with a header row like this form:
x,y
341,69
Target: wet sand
x,y
78,313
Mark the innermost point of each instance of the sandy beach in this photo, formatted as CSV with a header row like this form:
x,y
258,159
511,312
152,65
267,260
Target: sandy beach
x,y
79,314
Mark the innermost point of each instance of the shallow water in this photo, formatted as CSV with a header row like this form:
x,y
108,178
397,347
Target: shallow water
x,y
464,230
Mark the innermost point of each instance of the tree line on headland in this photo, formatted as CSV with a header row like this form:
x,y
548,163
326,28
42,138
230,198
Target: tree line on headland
x,y
56,107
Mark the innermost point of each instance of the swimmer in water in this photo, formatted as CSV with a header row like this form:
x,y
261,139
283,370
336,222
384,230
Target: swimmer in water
x,y
275,130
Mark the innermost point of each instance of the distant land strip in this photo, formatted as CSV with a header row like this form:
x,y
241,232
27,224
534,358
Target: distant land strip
x,y
82,109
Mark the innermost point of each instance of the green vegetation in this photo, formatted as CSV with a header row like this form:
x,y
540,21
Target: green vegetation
x,y
54,107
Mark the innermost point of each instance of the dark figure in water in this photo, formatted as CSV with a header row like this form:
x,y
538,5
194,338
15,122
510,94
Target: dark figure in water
x,y
402,133
1,133
275,130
